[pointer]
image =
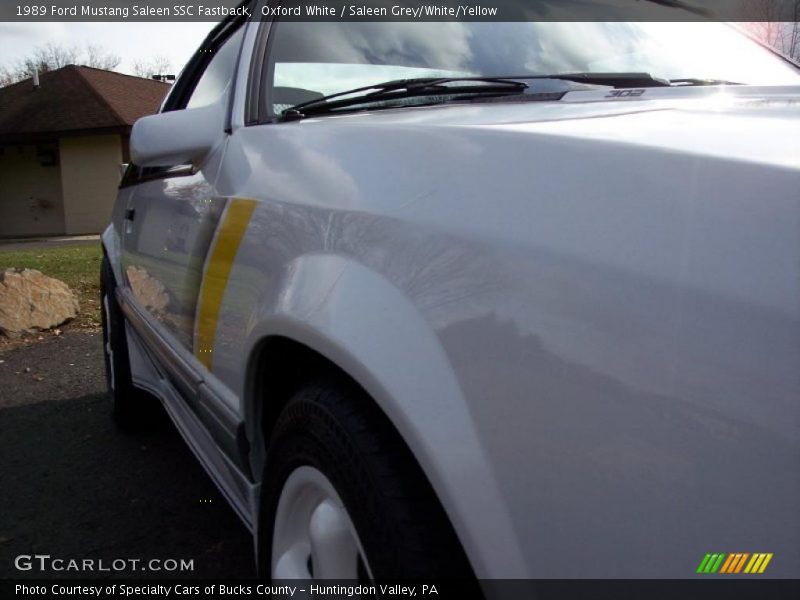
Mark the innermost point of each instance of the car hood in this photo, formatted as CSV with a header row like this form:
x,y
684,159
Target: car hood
x,y
753,123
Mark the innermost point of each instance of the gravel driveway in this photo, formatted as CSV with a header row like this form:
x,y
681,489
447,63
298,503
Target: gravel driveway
x,y
73,486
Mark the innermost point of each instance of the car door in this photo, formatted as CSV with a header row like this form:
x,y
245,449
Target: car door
x,y
173,211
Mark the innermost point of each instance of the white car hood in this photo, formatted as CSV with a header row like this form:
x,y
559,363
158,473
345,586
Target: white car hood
x,y
730,122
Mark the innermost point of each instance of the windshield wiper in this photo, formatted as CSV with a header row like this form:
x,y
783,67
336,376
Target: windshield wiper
x,y
406,88
617,80
632,80
476,86
628,80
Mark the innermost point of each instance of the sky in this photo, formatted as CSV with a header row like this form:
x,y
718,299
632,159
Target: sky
x,y
130,41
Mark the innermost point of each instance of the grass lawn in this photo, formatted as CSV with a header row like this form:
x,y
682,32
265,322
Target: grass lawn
x,y
77,266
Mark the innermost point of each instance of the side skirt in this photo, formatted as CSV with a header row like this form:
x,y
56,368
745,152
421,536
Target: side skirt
x,y
150,375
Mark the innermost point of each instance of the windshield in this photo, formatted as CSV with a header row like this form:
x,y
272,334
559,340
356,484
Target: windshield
x,y
312,59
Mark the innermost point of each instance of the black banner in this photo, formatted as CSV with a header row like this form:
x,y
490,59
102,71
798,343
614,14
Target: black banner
x,y
401,10
555,589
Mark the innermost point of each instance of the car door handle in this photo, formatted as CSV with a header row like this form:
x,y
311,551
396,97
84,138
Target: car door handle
x,y
130,213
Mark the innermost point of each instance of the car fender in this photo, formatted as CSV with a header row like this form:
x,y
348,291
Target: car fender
x,y
361,322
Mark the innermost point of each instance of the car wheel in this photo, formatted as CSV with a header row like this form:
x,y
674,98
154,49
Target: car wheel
x,y
343,498
132,408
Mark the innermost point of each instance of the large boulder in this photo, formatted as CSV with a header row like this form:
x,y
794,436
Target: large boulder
x,y
30,301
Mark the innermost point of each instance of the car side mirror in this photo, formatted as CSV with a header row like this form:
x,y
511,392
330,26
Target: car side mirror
x,y
177,137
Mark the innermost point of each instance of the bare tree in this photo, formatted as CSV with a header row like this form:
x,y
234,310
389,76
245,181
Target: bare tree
x,y
157,65
52,56
776,23
55,56
97,57
7,76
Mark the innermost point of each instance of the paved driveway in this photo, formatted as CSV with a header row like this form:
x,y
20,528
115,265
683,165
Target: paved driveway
x,y
73,486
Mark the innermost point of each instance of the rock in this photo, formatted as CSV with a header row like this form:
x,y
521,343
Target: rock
x,y
30,301
149,291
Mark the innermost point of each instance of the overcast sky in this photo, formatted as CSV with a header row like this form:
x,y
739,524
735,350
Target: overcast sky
x,y
131,41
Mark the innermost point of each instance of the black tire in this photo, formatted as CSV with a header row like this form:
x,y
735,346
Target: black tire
x,y
336,428
132,409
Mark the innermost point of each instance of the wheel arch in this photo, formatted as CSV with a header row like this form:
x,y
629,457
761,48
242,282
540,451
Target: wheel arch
x,y
366,331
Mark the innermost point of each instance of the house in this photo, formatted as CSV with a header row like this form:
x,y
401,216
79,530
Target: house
x,y
62,140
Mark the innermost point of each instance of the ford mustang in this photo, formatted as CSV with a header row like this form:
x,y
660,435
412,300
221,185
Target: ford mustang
x,y
470,299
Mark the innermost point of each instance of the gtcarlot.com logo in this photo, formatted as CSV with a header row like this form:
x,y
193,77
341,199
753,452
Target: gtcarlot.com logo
x,y
45,562
736,562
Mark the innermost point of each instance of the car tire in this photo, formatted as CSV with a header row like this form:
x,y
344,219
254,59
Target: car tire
x,y
331,450
132,409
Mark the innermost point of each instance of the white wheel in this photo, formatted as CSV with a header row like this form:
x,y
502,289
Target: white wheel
x,y
314,536
342,497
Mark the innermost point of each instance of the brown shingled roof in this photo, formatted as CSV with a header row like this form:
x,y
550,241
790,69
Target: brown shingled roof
x,y
76,99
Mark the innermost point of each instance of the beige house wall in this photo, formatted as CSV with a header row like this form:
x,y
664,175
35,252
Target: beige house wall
x,y
30,194
89,181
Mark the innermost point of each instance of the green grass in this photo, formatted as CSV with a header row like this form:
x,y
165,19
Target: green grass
x,y
78,266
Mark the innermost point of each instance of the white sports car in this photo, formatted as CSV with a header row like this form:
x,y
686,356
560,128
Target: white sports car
x,y
486,300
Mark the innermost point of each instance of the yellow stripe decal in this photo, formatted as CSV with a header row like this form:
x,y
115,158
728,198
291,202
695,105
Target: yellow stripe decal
x,y
217,271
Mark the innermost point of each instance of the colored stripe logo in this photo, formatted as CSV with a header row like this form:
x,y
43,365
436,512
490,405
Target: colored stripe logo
x,y
216,274
737,562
